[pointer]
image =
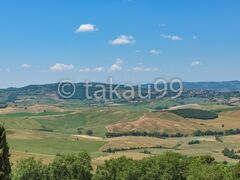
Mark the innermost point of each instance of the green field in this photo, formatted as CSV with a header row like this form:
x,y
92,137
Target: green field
x,y
29,132
57,146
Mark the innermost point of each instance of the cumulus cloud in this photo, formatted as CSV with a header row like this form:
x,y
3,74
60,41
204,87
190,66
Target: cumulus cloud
x,y
195,63
117,66
154,51
61,67
99,69
26,66
172,37
96,69
142,69
123,40
84,70
86,28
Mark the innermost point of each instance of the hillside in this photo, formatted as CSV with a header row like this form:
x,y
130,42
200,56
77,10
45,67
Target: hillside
x,y
49,91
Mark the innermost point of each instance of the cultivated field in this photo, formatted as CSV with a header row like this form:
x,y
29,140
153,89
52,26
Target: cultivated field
x,y
43,130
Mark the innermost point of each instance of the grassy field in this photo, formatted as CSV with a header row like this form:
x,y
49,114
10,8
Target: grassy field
x,y
45,134
207,146
55,146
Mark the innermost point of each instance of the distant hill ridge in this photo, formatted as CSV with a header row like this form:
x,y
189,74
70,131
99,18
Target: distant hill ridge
x,y
12,94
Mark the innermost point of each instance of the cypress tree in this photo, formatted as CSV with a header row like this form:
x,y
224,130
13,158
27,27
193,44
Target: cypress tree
x,y
5,166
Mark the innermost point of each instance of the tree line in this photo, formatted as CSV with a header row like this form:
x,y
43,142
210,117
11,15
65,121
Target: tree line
x,y
169,166
216,133
158,134
113,150
143,133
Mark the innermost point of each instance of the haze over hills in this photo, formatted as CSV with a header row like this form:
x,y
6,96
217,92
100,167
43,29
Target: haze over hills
x,y
51,90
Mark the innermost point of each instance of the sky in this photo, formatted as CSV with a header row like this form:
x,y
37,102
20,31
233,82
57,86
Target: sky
x,y
132,41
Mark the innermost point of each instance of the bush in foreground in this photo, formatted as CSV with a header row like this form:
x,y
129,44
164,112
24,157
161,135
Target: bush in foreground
x,y
64,167
30,169
169,166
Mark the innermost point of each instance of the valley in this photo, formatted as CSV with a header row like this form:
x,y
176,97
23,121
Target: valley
x,y
42,130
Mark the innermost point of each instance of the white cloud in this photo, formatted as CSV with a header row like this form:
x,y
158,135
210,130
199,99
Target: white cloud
x,y
99,69
154,51
117,66
123,40
26,66
61,67
195,63
86,28
138,51
84,70
142,69
172,37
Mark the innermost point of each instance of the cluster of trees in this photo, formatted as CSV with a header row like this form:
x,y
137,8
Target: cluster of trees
x,y
230,153
194,142
63,167
2,106
88,132
170,166
208,133
165,135
143,133
196,114
216,133
232,132
113,150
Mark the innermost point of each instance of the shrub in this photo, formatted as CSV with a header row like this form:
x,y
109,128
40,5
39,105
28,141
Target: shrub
x,y
146,152
89,132
30,169
71,167
119,169
79,130
230,153
194,142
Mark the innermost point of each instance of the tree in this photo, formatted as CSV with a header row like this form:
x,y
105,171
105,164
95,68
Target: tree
x,y
117,169
79,130
213,171
67,167
171,166
89,132
5,166
30,169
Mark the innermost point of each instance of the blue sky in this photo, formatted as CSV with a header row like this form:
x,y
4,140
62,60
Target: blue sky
x,y
137,41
